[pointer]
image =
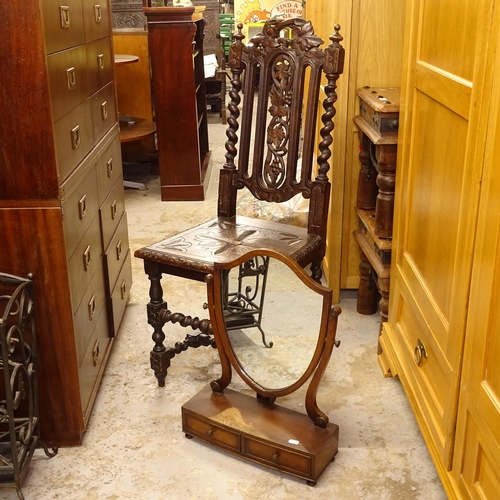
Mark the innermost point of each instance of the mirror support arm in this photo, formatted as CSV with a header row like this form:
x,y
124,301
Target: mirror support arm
x,y
320,418
217,321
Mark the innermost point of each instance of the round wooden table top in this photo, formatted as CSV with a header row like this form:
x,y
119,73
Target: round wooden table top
x,y
125,58
131,128
139,129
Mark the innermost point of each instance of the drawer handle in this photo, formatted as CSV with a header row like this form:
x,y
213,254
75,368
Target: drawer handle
x,y
113,209
210,432
71,77
75,137
100,62
97,13
95,353
119,250
104,110
65,22
87,258
275,457
420,353
92,307
82,206
109,167
123,289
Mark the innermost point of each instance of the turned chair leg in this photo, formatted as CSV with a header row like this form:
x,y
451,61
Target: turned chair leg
x,y
159,358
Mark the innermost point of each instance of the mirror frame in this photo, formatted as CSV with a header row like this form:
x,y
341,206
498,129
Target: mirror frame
x,y
325,339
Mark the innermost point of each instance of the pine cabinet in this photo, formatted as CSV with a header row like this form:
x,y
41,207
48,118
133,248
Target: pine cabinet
x,y
442,337
62,210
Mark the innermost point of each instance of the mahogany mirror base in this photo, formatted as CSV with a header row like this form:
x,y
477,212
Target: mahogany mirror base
x,y
267,434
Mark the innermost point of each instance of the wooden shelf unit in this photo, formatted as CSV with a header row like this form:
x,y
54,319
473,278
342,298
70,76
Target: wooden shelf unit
x,y
175,38
377,122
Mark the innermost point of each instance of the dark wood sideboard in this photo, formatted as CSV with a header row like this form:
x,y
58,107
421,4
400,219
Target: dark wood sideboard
x,y
62,210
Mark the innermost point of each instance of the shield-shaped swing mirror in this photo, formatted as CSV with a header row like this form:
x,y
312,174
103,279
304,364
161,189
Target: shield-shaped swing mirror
x,y
276,328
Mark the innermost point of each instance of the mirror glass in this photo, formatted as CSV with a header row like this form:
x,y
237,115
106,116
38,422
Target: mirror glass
x,y
272,319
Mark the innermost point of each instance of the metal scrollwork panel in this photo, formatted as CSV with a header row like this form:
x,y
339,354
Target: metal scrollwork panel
x,y
19,434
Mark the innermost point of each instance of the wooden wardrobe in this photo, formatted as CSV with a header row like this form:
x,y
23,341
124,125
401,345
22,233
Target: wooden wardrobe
x,y
443,334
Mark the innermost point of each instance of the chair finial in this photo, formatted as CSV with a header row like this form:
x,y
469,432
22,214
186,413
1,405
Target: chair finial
x,y
336,37
239,36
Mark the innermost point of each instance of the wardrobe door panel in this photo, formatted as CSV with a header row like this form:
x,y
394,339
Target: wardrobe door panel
x,y
477,452
437,193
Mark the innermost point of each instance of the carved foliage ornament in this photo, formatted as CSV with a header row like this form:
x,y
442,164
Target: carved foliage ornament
x,y
277,130
302,37
297,39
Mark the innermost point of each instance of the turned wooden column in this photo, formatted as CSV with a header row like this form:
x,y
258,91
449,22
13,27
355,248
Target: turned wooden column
x,y
367,181
385,155
367,292
378,121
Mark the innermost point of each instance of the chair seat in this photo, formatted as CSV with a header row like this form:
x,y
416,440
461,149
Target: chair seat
x,y
224,239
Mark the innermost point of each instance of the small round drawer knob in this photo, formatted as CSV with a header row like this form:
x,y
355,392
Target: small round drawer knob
x,y
275,457
420,353
210,432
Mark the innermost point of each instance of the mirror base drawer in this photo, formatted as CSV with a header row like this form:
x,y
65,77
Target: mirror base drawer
x,y
210,432
270,435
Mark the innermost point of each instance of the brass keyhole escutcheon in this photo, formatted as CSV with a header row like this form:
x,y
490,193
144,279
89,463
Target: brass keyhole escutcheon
x,y
420,353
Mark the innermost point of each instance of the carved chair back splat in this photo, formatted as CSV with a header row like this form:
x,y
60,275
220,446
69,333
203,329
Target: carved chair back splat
x,y
274,93
280,123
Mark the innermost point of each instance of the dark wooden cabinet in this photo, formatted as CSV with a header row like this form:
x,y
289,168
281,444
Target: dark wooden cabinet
x,y
211,30
176,54
62,211
378,123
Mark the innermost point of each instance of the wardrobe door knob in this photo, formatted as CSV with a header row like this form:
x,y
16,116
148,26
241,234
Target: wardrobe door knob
x,y
420,353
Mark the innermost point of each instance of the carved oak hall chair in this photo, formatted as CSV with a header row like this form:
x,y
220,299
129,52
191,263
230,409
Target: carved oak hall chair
x,y
275,83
